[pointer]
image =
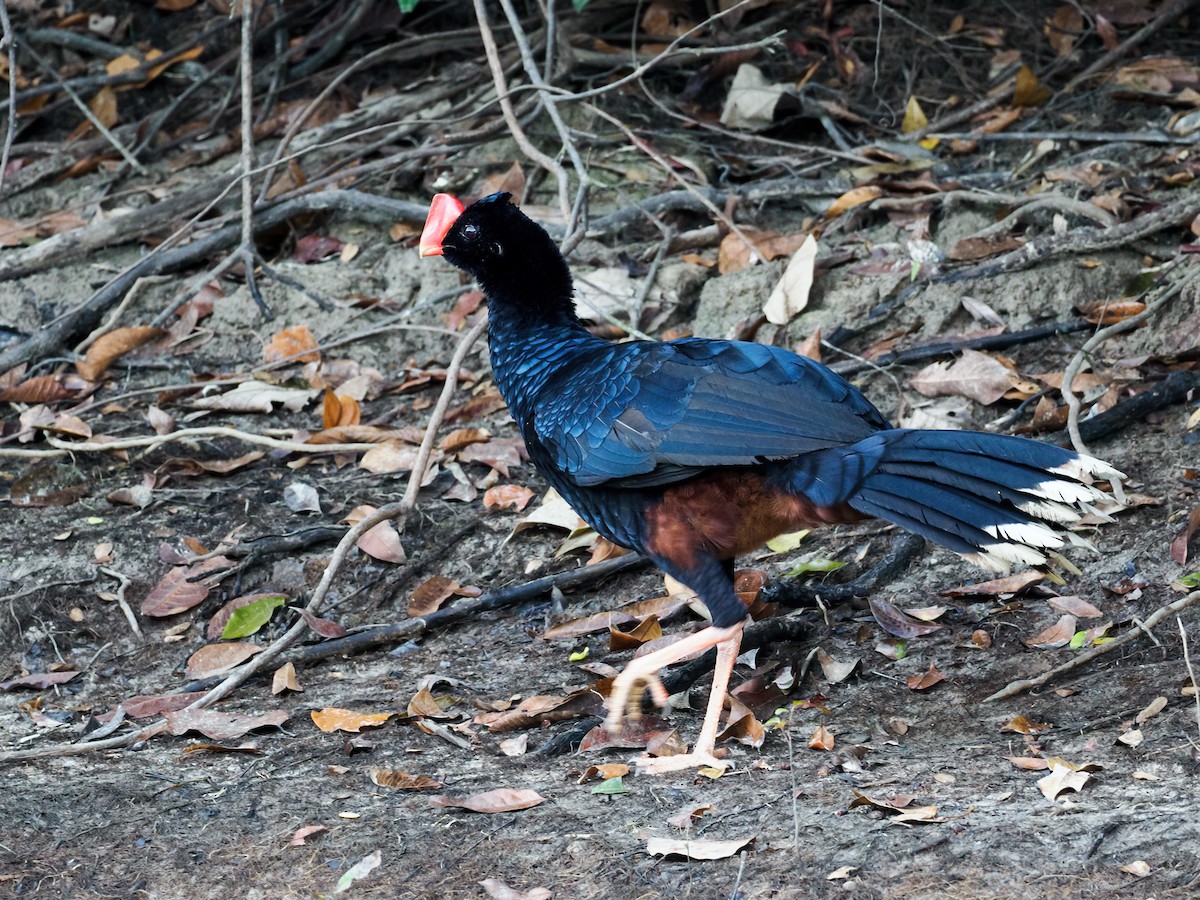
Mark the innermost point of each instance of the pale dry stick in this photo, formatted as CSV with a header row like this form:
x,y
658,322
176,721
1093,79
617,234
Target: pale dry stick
x,y
8,44
1067,390
553,166
284,641
1187,661
245,250
1054,202
551,102
187,434
123,582
1016,687
667,168
112,139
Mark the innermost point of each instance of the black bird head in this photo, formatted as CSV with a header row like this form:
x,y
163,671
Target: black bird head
x,y
512,257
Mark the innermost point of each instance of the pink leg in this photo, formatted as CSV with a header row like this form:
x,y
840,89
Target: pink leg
x,y
643,672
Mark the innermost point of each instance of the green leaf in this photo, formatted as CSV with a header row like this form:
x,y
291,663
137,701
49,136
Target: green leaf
x,y
249,618
815,565
407,6
1191,580
1078,639
580,655
579,4
787,542
611,786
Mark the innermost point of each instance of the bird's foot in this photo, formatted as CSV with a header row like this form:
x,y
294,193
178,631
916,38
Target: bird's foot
x,y
625,701
697,759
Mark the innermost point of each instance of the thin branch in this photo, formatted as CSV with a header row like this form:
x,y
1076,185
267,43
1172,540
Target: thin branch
x,y
8,44
1083,659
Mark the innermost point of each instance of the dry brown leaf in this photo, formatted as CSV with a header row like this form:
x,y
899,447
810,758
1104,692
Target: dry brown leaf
x,y
975,375
647,630
39,389
177,592
852,198
110,347
1157,705
338,410
1057,635
1075,606
404,781
701,849
997,587
822,739
389,457
217,659
498,890
424,704
835,671
430,594
463,437
497,801
926,680
1022,725
1179,546
1029,91
1030,763
333,719
285,679
104,106
1063,29
734,255
1062,778
604,772
324,627
300,834
789,297
507,496
896,622
689,814
295,345
221,726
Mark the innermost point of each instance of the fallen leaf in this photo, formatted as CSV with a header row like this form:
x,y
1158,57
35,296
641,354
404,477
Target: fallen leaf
x,y
251,614
926,680
515,746
507,496
285,679
256,396
974,375
1028,90
702,849
852,198
835,671
750,103
1075,606
38,680
294,345
896,622
333,719
220,726
181,588
498,890
324,627
689,814
217,659
1138,867
822,739
790,295
1062,778
1022,725
1157,705
394,778
430,594
497,801
425,704
301,834
358,871
1057,635
1179,546
111,346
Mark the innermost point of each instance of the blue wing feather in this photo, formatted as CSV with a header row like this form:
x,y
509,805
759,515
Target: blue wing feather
x,y
641,414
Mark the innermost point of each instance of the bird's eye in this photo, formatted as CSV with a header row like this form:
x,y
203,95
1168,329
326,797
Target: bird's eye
x,y
470,232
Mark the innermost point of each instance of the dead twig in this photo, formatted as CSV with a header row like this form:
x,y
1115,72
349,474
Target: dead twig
x,y
1077,361
1187,661
1017,687
7,44
123,583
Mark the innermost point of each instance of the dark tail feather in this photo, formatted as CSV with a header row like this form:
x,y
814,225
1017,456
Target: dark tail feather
x,y
988,497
